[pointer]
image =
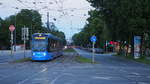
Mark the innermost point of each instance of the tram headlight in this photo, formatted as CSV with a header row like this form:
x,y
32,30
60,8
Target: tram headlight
x,y
44,54
33,53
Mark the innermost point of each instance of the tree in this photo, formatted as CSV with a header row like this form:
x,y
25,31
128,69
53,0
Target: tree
x,y
25,18
94,27
124,18
4,34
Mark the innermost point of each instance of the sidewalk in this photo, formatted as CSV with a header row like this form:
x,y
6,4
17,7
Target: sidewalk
x,y
6,56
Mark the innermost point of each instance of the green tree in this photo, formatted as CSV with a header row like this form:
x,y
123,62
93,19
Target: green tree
x,y
25,18
94,27
124,18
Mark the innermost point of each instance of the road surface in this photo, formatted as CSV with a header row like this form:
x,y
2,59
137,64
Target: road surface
x,y
66,70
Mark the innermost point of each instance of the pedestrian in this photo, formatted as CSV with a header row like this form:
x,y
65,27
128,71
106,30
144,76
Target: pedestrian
x,y
147,52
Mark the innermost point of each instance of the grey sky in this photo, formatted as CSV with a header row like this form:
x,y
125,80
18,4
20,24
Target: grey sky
x,y
70,15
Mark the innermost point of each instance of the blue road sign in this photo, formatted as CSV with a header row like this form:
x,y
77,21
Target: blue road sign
x,y
93,38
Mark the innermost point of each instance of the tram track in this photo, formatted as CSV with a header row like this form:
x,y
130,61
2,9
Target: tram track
x,y
58,65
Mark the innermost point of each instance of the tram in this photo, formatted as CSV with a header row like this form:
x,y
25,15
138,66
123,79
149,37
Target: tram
x,y
45,46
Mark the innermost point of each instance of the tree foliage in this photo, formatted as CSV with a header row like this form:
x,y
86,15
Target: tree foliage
x,y
25,18
119,20
94,27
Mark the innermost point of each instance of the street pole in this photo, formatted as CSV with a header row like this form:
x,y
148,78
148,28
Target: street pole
x,y
93,40
93,54
24,47
24,30
48,21
11,28
106,46
15,33
11,42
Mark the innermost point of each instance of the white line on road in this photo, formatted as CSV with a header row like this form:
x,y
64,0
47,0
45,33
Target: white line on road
x,y
21,82
60,76
105,78
9,76
44,70
28,78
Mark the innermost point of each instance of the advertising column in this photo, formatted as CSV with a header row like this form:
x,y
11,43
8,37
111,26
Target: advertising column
x,y
137,47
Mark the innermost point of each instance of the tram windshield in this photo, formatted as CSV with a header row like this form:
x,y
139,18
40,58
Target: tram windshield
x,y
39,45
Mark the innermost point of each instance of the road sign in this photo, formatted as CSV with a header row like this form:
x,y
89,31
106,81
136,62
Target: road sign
x,y
93,38
25,36
11,28
25,33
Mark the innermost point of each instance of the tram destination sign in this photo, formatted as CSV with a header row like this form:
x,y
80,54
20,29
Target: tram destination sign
x,y
40,38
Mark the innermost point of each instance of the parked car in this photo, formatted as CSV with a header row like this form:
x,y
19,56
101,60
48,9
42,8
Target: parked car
x,y
96,50
99,50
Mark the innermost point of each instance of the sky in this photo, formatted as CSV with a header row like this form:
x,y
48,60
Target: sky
x,y
70,15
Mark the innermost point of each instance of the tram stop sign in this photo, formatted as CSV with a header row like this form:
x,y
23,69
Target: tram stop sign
x,y
11,28
93,39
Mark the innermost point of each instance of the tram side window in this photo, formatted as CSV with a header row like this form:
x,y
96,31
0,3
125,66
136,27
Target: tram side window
x,y
51,45
54,45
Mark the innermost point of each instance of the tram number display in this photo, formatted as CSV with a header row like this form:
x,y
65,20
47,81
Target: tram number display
x,y
40,38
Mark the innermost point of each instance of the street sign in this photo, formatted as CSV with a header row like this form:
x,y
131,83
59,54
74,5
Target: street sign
x,y
93,38
25,36
25,33
11,28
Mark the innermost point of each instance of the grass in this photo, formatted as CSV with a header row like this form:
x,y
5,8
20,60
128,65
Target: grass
x,y
69,50
83,59
22,60
141,59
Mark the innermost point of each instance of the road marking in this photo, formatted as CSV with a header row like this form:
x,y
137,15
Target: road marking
x,y
60,76
8,76
28,78
21,82
105,78
134,73
142,83
148,76
44,70
13,73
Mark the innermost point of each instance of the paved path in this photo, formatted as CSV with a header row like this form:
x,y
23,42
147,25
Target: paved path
x,y
6,56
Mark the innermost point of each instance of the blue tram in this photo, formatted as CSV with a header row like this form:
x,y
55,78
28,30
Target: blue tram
x,y
45,46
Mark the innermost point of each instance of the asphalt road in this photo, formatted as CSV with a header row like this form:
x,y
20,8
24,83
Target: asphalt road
x,y
65,70
119,70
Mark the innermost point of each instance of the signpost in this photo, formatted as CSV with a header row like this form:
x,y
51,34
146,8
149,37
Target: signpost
x,y
25,36
93,40
11,28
